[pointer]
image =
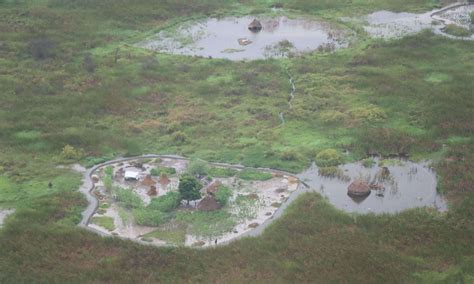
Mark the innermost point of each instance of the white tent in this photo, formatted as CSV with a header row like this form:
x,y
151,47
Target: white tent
x,y
131,175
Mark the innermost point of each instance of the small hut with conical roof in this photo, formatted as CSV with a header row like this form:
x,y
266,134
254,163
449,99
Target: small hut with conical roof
x,y
255,26
358,188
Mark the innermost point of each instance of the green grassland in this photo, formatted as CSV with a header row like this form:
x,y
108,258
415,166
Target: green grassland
x,y
410,97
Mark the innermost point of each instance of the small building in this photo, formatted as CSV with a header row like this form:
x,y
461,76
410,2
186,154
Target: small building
x,y
131,175
255,26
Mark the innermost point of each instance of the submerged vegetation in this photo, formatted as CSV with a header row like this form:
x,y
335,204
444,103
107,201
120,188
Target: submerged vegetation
x,y
73,88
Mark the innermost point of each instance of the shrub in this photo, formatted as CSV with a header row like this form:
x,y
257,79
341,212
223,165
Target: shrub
x,y
198,168
41,48
71,153
180,137
249,174
147,217
472,17
223,194
368,163
127,198
290,156
166,203
328,158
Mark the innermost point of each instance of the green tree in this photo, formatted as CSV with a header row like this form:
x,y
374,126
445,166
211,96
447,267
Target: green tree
x,y
189,188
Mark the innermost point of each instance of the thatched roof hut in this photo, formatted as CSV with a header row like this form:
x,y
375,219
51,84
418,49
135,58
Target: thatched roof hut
x,y
213,187
255,26
358,188
148,181
208,203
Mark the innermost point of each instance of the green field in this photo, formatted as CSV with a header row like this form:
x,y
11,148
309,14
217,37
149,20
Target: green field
x,y
70,75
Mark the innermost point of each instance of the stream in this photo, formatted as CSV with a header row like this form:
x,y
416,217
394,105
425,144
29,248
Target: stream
x,y
281,115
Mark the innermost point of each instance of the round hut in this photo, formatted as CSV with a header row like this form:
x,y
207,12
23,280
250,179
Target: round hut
x,y
255,26
358,188
208,203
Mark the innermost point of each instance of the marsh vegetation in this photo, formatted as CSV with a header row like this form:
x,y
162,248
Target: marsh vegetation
x,y
70,74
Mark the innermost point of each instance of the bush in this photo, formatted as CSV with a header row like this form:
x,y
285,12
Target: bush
x,y
41,48
147,217
249,174
223,194
368,163
166,203
180,137
472,17
198,168
127,198
328,158
71,153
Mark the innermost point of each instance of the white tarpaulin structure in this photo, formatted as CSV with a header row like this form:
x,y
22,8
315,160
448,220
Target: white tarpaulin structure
x,y
131,175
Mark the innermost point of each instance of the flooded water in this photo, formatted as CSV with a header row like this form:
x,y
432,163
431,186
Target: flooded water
x,y
409,185
219,38
386,24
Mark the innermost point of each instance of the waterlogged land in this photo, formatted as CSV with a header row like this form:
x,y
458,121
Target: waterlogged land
x,y
71,75
222,38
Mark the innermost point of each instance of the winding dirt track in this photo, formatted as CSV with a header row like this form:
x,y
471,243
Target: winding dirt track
x,y
87,187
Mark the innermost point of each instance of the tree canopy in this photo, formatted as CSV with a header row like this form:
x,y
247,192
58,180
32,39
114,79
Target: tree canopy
x,y
189,188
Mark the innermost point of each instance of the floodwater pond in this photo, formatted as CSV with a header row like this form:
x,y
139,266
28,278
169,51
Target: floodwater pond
x,y
387,24
231,38
409,185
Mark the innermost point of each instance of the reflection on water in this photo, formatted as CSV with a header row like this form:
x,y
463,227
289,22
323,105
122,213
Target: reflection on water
x,y
408,185
219,38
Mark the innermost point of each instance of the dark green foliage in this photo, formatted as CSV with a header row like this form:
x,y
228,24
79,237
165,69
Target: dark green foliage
x,y
328,158
189,188
223,194
166,203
